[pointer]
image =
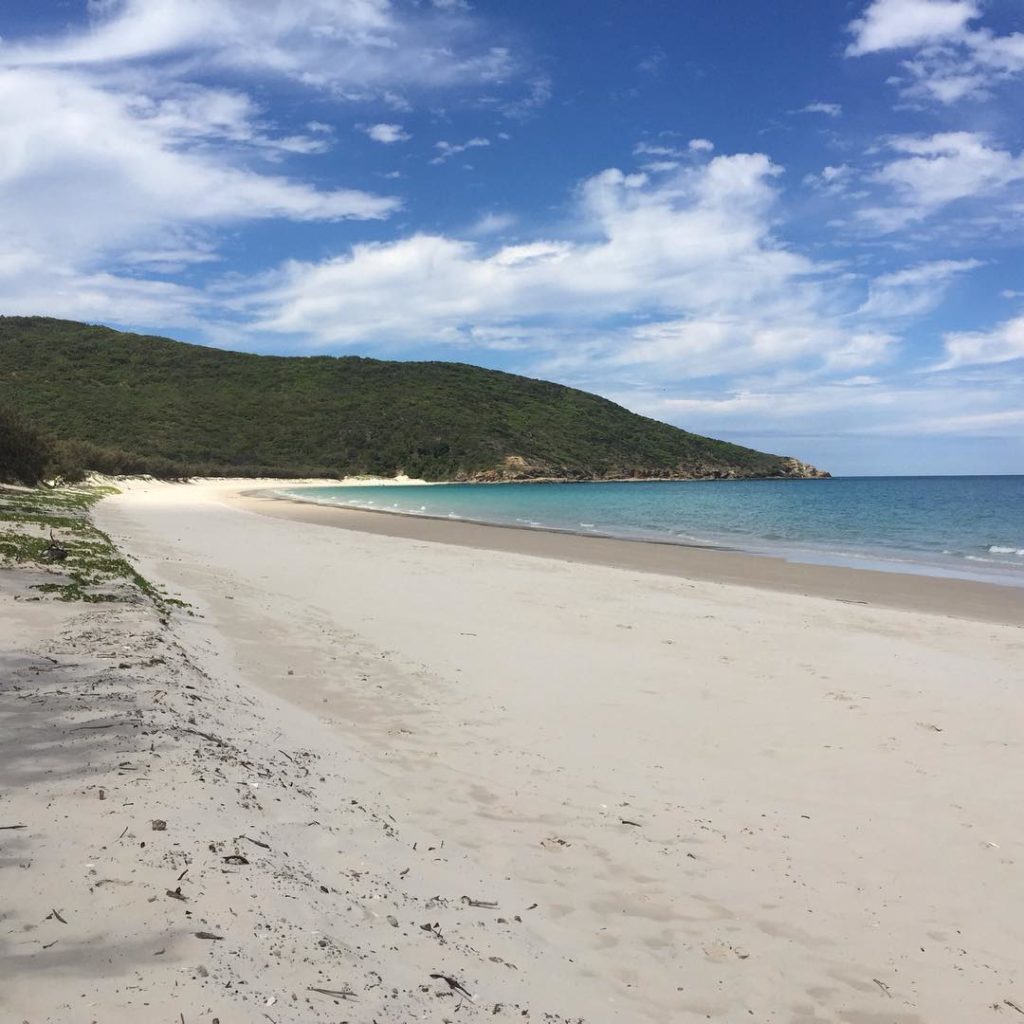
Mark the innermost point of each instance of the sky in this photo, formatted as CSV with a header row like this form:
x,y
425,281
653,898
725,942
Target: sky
x,y
794,225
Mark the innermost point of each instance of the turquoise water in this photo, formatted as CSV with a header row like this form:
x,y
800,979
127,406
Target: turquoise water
x,y
970,527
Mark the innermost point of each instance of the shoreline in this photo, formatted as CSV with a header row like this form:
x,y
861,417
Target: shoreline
x,y
872,562
958,598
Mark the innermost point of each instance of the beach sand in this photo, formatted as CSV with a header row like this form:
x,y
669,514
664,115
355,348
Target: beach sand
x,y
691,799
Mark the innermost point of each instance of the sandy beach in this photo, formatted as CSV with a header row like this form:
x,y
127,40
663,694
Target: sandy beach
x,y
505,775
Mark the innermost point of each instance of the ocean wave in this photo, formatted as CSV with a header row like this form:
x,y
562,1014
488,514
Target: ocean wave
x,y
1002,549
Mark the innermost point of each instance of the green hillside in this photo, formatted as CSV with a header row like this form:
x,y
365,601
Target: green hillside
x,y
138,402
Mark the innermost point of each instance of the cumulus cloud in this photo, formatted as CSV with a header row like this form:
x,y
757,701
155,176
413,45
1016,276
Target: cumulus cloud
x,y
675,278
948,58
894,24
388,134
655,245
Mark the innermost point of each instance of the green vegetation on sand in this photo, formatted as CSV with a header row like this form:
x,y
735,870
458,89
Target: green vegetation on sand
x,y
51,531
129,403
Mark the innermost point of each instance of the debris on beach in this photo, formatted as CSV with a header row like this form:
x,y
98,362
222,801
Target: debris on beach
x,y
118,710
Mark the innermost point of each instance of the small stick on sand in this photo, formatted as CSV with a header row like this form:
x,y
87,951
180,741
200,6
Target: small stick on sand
x,y
345,993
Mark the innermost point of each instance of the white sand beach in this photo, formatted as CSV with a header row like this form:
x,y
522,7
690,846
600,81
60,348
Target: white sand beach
x,y
577,790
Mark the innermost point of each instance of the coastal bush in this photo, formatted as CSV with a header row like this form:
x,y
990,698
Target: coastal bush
x,y
24,453
140,404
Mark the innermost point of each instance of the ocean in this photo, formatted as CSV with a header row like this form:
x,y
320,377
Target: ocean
x,y
969,527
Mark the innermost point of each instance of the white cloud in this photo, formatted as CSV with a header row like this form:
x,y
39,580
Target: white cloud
x,y
492,224
828,109
647,149
1002,344
700,145
913,291
673,278
122,160
358,46
832,179
931,172
895,24
862,406
950,60
446,150
84,170
387,133
31,284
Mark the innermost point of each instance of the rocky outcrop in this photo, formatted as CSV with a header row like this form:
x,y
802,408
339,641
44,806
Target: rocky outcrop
x,y
518,469
803,471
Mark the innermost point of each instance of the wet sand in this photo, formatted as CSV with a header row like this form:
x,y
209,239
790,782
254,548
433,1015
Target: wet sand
x,y
940,596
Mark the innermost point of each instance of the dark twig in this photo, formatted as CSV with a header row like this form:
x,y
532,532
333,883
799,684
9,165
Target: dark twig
x,y
345,993
453,984
205,735
486,904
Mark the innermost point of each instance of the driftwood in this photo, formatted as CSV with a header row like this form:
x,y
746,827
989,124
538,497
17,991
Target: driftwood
x,y
54,551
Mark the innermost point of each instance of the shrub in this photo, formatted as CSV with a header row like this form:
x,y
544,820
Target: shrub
x,y
24,452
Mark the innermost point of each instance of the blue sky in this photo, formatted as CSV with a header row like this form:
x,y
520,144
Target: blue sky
x,y
794,225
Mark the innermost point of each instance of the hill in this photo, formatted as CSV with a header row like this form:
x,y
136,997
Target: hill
x,y
135,403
